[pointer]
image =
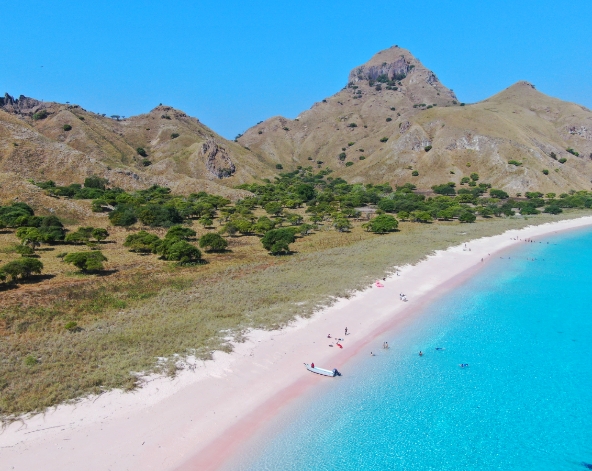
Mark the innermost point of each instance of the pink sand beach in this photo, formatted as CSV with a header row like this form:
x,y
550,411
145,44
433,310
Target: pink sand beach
x,y
199,419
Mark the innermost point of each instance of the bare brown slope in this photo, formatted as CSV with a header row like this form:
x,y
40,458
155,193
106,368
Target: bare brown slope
x,y
519,124
181,152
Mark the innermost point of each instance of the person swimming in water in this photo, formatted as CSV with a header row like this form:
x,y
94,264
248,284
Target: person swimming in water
x,y
420,353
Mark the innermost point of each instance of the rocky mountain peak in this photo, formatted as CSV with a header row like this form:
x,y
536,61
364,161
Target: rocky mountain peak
x,y
396,67
20,105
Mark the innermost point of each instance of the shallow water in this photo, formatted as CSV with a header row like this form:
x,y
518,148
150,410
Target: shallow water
x,y
525,401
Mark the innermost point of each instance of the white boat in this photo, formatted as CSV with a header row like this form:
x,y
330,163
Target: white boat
x,y
322,371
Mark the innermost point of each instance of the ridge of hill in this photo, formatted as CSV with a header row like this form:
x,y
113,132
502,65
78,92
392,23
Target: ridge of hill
x,y
395,121
66,143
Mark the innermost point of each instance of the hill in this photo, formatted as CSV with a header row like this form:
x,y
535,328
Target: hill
x,y
65,143
395,121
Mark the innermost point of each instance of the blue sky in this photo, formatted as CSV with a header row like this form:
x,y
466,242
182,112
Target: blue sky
x,y
232,64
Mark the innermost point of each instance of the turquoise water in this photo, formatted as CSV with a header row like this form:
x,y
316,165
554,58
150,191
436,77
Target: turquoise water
x,y
524,403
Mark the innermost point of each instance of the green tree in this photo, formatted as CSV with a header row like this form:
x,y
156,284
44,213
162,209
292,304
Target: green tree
x,y
274,208
22,268
467,216
30,236
387,205
183,252
181,233
96,182
342,224
500,194
212,242
420,216
206,222
124,216
263,225
141,242
278,240
100,234
383,223
86,261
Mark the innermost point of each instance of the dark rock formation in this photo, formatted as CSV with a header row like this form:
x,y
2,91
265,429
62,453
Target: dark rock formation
x,y
20,105
218,162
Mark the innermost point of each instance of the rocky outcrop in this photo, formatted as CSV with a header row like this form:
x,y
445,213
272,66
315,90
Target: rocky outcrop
x,y
20,105
218,162
396,70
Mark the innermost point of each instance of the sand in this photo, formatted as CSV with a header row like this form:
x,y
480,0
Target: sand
x,y
197,420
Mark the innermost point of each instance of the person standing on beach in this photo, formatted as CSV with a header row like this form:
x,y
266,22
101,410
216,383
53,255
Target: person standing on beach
x,y
346,331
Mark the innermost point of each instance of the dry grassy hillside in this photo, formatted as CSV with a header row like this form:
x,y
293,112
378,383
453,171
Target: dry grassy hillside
x,y
383,127
66,143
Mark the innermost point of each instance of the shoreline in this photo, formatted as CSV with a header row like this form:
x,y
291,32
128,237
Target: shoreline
x,y
198,420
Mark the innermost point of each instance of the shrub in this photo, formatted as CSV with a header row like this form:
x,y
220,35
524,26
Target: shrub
x,y
349,144
393,108
573,152
279,166
388,120
352,125
141,152
427,148
362,157
553,155
285,128
30,361
71,326
174,135
545,171
42,114
146,162
25,250
141,242
212,242
562,160
553,209
278,240
96,182
515,163
384,139
415,173
342,156
349,164
86,261
474,177
445,189
81,118
67,127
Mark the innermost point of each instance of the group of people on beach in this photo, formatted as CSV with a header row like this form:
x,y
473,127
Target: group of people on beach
x,y
402,297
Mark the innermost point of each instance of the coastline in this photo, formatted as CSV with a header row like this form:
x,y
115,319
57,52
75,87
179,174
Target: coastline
x,y
199,419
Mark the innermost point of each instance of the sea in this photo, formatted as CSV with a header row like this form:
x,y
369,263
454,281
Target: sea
x,y
523,324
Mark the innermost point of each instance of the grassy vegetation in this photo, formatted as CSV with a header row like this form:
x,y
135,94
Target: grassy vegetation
x,y
124,324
